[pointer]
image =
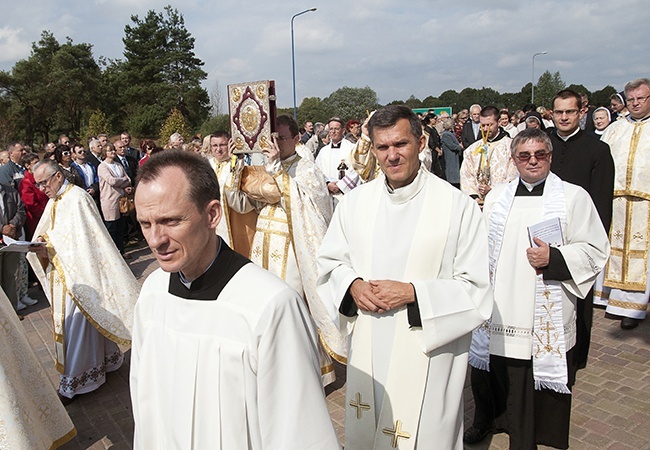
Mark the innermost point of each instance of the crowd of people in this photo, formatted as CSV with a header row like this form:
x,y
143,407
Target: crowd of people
x,y
428,242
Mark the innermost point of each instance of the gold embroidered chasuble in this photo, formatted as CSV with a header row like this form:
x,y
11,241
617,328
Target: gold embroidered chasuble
x,y
630,230
31,416
502,168
85,265
287,237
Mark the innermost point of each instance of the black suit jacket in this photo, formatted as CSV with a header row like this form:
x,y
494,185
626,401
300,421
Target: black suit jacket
x,y
92,159
131,166
467,136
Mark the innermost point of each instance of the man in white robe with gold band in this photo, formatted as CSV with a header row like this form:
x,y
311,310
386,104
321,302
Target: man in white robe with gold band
x,y
90,288
627,274
487,162
528,344
404,269
290,227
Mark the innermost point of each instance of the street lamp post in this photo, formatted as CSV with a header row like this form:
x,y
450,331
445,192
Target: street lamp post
x,y
293,58
532,84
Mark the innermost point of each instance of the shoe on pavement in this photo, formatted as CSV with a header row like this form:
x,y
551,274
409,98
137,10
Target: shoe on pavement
x,y
475,435
20,306
27,300
628,323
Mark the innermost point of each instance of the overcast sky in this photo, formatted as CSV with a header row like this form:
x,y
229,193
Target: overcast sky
x,y
398,48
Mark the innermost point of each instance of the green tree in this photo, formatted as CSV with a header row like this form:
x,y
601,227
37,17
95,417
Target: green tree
x,y
351,103
601,97
547,86
160,72
220,122
175,123
311,109
97,124
51,91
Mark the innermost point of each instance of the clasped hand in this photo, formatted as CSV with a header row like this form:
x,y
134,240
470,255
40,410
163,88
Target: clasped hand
x,y
381,295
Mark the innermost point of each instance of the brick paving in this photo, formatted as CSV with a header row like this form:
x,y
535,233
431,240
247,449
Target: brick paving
x,y
611,404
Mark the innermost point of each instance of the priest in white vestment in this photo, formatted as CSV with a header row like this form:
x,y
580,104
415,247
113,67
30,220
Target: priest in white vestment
x,y
90,288
31,415
626,277
404,269
528,345
487,162
289,232
335,163
224,353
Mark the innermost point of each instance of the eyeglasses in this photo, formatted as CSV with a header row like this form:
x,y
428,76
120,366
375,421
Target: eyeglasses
x,y
42,184
539,155
640,100
65,153
568,112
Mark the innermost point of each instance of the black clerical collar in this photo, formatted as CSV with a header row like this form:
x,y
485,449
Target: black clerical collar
x,y
537,191
500,135
338,145
209,285
566,138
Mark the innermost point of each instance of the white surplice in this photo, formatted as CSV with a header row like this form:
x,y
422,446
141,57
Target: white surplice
x,y
585,251
223,173
433,236
238,372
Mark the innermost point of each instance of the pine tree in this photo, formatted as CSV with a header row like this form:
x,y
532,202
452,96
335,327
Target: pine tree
x,y
160,72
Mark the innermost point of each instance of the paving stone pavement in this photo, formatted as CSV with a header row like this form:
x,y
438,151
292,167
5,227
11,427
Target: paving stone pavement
x,y
611,401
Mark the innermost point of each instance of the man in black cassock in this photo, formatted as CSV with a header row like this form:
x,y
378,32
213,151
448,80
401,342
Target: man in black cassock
x,y
581,159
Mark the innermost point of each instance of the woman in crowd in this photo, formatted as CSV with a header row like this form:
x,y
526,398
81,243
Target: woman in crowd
x,y
353,129
452,152
458,126
33,198
113,184
602,119
535,120
618,105
176,141
146,147
63,156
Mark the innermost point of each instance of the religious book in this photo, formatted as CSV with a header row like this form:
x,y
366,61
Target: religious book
x,y
12,245
549,231
252,115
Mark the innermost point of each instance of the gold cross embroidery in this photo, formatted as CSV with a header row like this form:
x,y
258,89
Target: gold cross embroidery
x,y
356,403
396,433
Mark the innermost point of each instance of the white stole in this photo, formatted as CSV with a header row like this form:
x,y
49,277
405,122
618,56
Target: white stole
x,y
549,358
409,365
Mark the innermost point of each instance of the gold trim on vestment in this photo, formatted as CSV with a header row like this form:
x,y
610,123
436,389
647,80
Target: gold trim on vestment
x,y
627,305
341,359
634,144
266,243
63,439
631,193
286,192
600,294
327,369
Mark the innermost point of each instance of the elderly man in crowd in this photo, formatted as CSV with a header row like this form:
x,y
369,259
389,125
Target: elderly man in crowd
x,y
89,286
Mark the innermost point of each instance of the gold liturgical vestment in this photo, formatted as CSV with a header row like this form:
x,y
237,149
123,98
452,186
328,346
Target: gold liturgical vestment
x,y
85,265
628,264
